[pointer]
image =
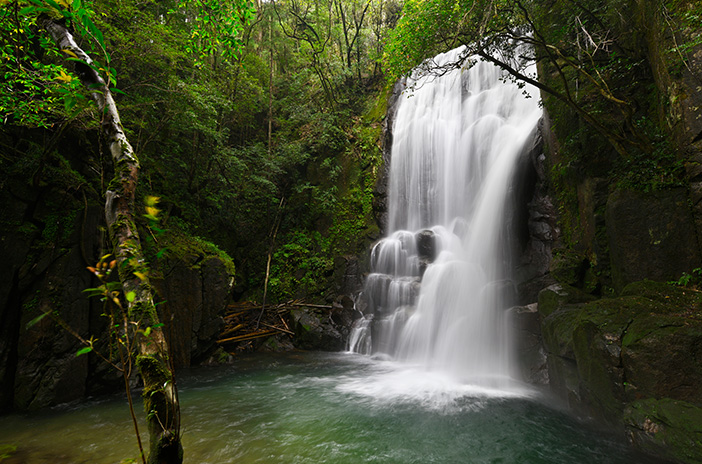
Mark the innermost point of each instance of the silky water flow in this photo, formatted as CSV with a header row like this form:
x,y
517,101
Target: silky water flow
x,y
439,285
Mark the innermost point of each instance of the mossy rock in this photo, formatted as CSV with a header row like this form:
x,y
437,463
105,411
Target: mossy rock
x,y
557,296
315,332
557,330
567,266
661,356
665,427
672,297
599,368
190,249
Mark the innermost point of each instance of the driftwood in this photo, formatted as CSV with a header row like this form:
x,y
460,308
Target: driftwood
x,y
243,319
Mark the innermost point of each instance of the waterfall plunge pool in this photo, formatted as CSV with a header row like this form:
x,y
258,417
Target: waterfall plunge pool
x,y
325,408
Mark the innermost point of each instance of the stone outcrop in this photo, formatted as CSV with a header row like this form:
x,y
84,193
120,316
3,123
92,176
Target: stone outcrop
x,y
632,361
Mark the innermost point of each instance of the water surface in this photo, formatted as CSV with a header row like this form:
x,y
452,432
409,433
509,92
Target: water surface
x,y
335,408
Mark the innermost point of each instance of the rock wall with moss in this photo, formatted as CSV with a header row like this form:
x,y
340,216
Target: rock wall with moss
x,y
621,334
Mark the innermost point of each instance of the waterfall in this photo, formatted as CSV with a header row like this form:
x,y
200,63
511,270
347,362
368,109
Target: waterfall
x,y
439,283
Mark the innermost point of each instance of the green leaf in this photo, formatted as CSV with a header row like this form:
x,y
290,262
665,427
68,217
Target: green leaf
x,y
85,350
131,296
36,320
90,25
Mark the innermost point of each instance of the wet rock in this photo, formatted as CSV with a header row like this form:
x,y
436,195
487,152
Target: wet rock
x,y
666,427
195,287
568,267
426,245
530,350
556,296
316,331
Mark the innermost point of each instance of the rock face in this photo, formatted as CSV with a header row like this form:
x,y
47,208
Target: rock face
x,y
195,285
45,272
621,348
44,269
535,222
631,360
646,231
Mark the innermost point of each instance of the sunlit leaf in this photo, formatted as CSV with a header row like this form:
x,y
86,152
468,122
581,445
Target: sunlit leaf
x,y
69,52
84,350
63,77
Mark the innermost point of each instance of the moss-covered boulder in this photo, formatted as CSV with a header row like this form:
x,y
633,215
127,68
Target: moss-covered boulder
x,y
666,427
557,296
617,358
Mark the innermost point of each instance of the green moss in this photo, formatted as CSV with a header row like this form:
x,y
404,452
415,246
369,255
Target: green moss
x,y
152,367
184,247
597,355
669,427
557,330
555,297
379,107
143,311
672,296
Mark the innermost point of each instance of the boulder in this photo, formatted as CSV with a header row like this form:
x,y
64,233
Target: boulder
x,y
633,361
665,427
316,331
426,245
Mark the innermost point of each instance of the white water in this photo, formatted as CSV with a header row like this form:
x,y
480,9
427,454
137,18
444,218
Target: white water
x,y
457,140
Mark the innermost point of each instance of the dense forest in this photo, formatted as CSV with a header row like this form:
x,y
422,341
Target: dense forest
x,y
250,142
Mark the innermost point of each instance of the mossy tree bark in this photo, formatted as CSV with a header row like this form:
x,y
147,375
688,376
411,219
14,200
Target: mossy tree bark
x,y
160,395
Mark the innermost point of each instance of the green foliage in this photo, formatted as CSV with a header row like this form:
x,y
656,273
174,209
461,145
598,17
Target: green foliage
x,y
6,451
692,279
218,25
298,266
34,92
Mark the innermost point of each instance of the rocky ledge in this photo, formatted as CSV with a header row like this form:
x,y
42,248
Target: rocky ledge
x,y
634,361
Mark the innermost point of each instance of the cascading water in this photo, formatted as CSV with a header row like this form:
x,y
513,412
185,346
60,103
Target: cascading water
x,y
439,282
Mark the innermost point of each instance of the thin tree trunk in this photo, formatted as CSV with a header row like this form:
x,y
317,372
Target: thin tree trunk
x,y
270,88
160,394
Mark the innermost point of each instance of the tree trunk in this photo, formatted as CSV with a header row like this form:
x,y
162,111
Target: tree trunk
x,y
160,394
